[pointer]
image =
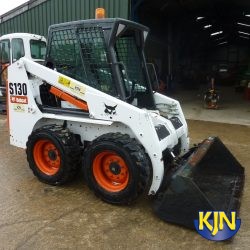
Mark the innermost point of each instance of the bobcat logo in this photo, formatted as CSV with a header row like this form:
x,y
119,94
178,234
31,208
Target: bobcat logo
x,y
110,110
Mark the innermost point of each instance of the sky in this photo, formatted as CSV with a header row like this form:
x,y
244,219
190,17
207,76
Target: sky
x,y
8,5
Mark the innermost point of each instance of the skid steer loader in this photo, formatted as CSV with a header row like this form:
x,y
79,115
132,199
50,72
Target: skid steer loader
x,y
92,107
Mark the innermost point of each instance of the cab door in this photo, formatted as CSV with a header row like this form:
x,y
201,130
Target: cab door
x,y
10,51
4,60
17,48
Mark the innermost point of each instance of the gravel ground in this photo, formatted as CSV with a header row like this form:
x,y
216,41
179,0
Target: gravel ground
x,y
34,215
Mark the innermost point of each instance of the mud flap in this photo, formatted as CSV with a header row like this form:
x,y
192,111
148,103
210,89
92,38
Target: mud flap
x,y
210,179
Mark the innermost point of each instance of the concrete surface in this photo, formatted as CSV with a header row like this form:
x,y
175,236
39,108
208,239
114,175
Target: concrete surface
x,y
37,216
233,107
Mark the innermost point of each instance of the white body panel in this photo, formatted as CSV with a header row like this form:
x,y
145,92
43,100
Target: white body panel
x,y
128,119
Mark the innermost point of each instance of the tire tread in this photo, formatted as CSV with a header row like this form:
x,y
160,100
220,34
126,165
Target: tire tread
x,y
71,149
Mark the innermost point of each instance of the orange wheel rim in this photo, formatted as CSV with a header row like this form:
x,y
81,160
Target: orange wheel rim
x,y
110,171
46,156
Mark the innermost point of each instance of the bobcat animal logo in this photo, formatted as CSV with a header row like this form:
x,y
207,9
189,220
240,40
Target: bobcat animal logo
x,y
110,110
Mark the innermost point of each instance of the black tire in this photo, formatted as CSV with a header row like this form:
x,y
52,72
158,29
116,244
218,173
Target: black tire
x,y
136,162
63,151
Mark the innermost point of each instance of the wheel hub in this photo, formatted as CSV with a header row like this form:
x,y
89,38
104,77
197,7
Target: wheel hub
x,y
111,171
52,155
46,156
115,168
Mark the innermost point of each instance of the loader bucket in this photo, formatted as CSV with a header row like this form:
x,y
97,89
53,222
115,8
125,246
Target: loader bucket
x,y
210,179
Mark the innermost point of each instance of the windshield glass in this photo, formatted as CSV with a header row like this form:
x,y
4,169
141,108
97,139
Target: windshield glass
x,y
133,71
38,49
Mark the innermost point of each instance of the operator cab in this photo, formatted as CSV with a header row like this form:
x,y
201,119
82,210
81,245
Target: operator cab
x,y
106,54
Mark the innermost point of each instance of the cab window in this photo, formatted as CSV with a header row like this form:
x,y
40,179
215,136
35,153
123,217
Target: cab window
x,y
17,49
4,51
38,49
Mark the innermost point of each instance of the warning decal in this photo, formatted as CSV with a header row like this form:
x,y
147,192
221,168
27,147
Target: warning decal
x,y
64,81
19,108
80,90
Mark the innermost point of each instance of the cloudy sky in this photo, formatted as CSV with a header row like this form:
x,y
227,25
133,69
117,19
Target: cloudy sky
x,y
8,5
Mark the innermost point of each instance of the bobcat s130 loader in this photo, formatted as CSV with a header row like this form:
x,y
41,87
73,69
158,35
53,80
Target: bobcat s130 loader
x,y
92,107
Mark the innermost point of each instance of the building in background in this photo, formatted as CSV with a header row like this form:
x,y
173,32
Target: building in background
x,y
190,41
36,16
